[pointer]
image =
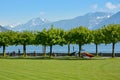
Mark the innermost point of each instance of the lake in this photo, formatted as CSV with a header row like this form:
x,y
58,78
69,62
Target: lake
x,y
63,49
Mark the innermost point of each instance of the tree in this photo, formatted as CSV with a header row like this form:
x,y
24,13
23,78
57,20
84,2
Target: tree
x,y
68,39
119,31
60,33
7,38
98,38
25,38
81,36
41,38
55,36
112,35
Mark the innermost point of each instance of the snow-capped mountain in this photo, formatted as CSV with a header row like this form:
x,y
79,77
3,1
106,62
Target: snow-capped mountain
x,y
2,29
11,26
30,25
36,21
114,19
88,20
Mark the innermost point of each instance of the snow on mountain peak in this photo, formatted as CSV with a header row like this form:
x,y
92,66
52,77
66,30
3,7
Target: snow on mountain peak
x,y
14,25
101,17
108,16
37,21
43,19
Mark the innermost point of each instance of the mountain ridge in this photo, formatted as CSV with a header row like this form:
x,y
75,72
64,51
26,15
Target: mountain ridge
x,y
89,20
2,29
114,19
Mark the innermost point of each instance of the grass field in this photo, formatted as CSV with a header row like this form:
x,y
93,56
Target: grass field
x,y
45,69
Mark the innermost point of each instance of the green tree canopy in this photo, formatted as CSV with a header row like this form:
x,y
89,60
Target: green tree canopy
x,y
25,38
7,38
81,36
112,35
98,38
41,38
55,36
68,39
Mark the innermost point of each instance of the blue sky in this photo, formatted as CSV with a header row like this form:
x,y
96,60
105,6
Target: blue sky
x,y
20,11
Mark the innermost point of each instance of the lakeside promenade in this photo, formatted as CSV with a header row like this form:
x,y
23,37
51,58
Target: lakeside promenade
x,y
59,54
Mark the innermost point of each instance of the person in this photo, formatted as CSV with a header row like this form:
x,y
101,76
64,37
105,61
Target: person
x,y
55,54
14,53
18,52
76,54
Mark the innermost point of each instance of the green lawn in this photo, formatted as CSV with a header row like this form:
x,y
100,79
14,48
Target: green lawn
x,y
41,69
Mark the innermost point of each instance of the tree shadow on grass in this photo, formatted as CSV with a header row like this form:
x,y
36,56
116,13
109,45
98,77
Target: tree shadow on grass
x,y
74,58
51,58
27,58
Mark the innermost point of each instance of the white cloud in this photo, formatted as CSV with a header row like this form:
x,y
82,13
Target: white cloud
x,y
112,6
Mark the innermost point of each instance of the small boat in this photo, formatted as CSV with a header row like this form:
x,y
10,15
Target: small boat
x,y
88,54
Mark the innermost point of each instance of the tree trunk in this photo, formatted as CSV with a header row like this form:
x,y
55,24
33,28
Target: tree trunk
x,y
113,48
50,50
80,49
68,49
35,53
96,49
24,50
4,49
44,50
73,49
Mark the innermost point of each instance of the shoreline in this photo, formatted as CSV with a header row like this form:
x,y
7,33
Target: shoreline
x,y
59,54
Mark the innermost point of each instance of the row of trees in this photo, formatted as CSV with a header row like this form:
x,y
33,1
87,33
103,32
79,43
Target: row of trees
x,y
53,36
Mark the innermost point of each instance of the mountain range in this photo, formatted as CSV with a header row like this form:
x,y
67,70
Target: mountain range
x,y
91,20
114,19
2,28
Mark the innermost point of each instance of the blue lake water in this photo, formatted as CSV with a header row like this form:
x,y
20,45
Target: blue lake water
x,y
63,49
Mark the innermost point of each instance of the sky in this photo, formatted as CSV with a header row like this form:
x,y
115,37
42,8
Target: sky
x,y
20,11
